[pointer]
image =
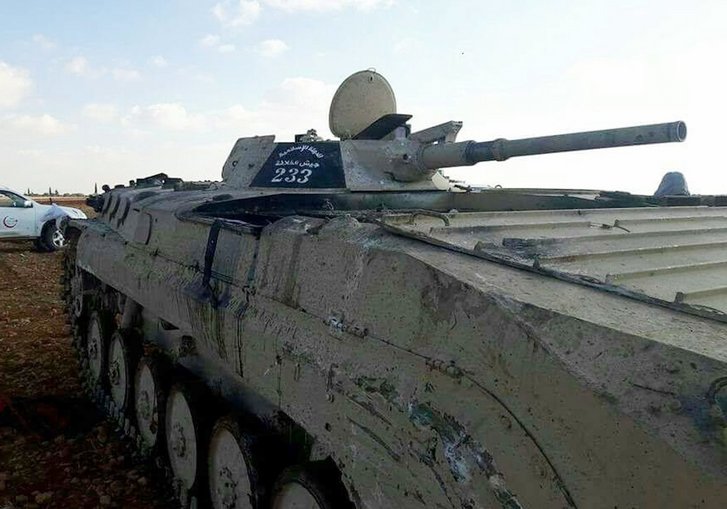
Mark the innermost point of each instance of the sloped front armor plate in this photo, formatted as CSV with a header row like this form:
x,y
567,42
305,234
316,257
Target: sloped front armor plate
x,y
675,256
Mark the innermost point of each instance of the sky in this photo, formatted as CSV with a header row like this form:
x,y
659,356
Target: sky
x,y
108,91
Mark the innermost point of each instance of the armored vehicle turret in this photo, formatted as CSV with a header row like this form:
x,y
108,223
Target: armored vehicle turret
x,y
336,324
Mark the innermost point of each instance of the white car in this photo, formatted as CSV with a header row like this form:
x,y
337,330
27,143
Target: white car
x,y
24,219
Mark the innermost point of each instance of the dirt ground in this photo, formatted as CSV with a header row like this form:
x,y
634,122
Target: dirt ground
x,y
55,449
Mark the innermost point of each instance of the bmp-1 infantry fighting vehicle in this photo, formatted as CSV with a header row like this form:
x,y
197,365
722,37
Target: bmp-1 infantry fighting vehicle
x,y
335,325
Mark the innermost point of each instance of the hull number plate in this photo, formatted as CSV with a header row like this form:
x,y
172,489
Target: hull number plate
x,y
315,165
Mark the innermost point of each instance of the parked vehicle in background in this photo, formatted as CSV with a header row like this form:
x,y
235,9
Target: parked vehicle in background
x,y
24,219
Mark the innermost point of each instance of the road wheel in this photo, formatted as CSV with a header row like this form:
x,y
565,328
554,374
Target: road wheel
x,y
75,299
232,475
312,486
52,238
98,334
185,428
123,355
150,397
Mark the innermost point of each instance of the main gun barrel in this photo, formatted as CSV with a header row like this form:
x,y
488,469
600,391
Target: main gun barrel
x,y
471,152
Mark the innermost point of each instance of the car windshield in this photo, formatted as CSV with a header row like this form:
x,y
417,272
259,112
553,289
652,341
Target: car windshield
x,y
8,199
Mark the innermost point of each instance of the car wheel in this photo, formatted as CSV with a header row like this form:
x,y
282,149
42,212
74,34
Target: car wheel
x,y
52,238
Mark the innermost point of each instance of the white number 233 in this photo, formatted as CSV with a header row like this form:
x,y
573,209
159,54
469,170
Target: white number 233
x,y
291,175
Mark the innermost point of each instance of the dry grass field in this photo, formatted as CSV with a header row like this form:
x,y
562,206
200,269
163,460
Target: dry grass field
x,y
69,201
55,450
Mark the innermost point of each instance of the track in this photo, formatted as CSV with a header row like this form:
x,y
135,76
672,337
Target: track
x,y
205,452
81,305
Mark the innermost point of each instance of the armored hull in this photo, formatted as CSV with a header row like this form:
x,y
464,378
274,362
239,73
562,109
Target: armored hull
x,y
407,347
431,376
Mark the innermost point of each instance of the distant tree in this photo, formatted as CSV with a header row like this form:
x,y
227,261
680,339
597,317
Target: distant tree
x,y
95,188
56,193
50,192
